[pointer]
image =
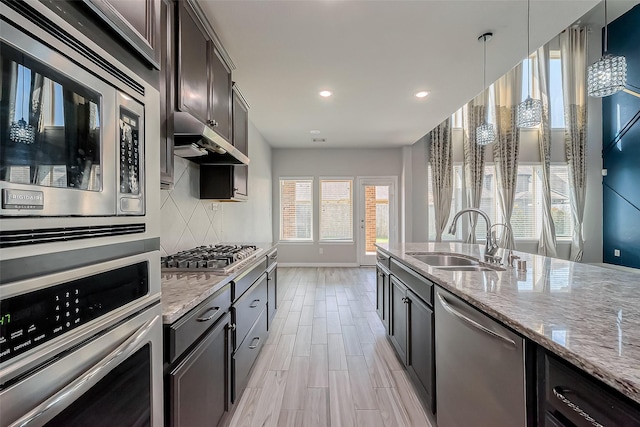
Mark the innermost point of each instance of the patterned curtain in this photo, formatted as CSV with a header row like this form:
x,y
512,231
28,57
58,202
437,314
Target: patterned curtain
x,y
573,51
473,115
441,161
507,146
547,240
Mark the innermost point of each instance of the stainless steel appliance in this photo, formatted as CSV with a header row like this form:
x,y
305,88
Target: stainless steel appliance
x,y
83,347
74,126
480,364
221,258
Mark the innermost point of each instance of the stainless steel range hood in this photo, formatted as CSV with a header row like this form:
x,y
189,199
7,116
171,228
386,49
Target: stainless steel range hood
x,y
191,136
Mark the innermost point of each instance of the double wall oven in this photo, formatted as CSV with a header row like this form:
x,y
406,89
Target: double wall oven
x,y
80,314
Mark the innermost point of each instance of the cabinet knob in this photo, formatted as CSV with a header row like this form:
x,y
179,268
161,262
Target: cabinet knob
x,y
212,123
232,327
235,189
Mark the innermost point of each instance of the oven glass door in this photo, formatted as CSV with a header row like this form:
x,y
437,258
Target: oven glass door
x,y
122,398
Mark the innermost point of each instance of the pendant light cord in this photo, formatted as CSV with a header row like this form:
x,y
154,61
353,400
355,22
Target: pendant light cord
x,y
605,28
528,47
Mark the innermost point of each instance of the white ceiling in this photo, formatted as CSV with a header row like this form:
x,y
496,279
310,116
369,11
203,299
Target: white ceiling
x,y
374,56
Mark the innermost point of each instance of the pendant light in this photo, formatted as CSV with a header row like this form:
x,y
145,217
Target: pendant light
x,y
20,131
607,75
529,112
485,133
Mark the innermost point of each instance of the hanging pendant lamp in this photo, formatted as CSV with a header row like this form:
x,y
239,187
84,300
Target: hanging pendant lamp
x,y
529,112
20,131
485,133
607,75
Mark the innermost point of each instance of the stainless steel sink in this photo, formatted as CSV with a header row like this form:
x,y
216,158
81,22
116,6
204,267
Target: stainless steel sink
x,y
469,268
437,260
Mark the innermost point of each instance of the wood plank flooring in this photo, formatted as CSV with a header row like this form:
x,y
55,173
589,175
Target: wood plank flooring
x,y
327,361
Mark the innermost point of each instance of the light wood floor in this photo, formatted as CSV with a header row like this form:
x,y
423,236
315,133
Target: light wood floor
x,y
327,361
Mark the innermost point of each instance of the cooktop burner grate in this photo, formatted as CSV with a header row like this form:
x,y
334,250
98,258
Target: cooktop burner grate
x,y
220,258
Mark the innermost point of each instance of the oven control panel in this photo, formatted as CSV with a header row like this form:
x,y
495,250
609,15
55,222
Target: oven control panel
x,y
31,319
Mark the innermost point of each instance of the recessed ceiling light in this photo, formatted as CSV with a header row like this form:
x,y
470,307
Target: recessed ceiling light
x,y
326,93
422,94
314,132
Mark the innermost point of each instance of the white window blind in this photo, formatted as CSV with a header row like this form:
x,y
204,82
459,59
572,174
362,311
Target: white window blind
x,y
336,209
296,204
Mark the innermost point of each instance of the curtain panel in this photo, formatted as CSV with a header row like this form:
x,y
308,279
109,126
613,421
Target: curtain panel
x,y
441,161
506,149
473,114
573,51
547,239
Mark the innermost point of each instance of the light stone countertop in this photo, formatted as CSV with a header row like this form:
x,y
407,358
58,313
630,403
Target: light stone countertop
x,y
587,315
183,291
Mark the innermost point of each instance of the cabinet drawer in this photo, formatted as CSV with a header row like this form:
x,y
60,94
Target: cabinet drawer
x,y
248,307
382,258
414,281
272,257
565,389
183,333
246,355
247,278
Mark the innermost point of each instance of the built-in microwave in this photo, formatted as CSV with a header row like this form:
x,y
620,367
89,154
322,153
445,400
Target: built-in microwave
x,y
74,126
71,144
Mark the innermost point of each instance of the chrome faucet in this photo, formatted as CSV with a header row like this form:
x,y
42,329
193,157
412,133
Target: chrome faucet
x,y
509,229
490,247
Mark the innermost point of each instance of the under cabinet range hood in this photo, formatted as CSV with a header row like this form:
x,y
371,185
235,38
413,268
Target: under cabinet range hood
x,y
199,143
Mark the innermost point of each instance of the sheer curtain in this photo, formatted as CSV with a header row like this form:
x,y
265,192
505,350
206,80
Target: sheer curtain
x,y
507,146
547,240
473,115
441,161
573,51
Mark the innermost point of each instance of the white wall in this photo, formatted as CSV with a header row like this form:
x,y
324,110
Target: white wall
x,y
326,162
187,221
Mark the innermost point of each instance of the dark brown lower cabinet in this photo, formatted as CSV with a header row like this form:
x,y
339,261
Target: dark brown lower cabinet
x,y
398,328
199,385
382,295
272,293
420,362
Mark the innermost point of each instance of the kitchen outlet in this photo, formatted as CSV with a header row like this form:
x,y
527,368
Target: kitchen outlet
x,y
321,251
616,252
214,206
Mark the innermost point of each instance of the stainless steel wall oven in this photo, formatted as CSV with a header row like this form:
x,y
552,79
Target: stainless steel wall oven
x,y
74,125
83,347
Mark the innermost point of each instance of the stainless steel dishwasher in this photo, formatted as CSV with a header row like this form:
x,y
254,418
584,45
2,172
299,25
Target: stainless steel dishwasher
x,y
480,370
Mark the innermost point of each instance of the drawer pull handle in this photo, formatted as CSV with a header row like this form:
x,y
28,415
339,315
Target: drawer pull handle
x,y
559,393
475,324
254,303
256,340
211,316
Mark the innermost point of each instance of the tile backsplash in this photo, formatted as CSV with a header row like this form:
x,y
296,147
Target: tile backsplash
x,y
187,221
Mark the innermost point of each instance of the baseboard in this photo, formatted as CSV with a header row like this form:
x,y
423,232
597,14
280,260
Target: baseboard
x,y
317,264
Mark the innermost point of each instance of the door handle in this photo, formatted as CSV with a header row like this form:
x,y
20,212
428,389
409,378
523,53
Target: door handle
x,y
254,303
211,316
252,345
559,393
476,325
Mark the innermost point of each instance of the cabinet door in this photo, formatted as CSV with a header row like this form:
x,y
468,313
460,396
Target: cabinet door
x,y
221,105
398,326
420,346
199,385
272,294
167,100
240,182
240,123
380,294
193,77
136,21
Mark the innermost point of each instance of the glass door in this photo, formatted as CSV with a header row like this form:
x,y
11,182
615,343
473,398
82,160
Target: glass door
x,y
378,213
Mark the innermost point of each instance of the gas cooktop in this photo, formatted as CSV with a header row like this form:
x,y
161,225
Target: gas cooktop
x,y
213,258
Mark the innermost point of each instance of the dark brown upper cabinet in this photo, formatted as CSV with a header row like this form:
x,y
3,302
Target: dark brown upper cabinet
x,y
167,94
194,90
136,22
240,112
221,96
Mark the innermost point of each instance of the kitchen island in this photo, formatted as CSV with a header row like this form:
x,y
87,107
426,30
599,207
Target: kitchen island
x,y
586,315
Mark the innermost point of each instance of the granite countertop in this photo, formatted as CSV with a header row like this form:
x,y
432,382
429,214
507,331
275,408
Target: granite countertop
x,y
587,315
183,291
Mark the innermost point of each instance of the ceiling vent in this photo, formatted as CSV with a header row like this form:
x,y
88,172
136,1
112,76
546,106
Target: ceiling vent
x,y
319,139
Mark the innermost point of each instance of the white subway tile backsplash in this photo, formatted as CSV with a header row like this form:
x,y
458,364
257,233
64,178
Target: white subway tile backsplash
x,y
187,221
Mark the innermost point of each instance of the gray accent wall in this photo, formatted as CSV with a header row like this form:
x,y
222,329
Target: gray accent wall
x,y
327,162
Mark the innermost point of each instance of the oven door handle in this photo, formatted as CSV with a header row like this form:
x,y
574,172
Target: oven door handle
x,y
89,378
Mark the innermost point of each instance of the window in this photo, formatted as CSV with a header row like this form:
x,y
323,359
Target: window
x,y
527,214
336,209
456,119
530,84
296,204
456,204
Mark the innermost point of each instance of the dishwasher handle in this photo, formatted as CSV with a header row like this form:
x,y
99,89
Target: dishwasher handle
x,y
445,304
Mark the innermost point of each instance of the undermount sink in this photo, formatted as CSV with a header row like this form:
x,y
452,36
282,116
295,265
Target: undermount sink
x,y
438,260
470,268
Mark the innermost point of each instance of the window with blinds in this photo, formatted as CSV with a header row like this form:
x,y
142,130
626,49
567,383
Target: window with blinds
x,y
336,209
296,209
